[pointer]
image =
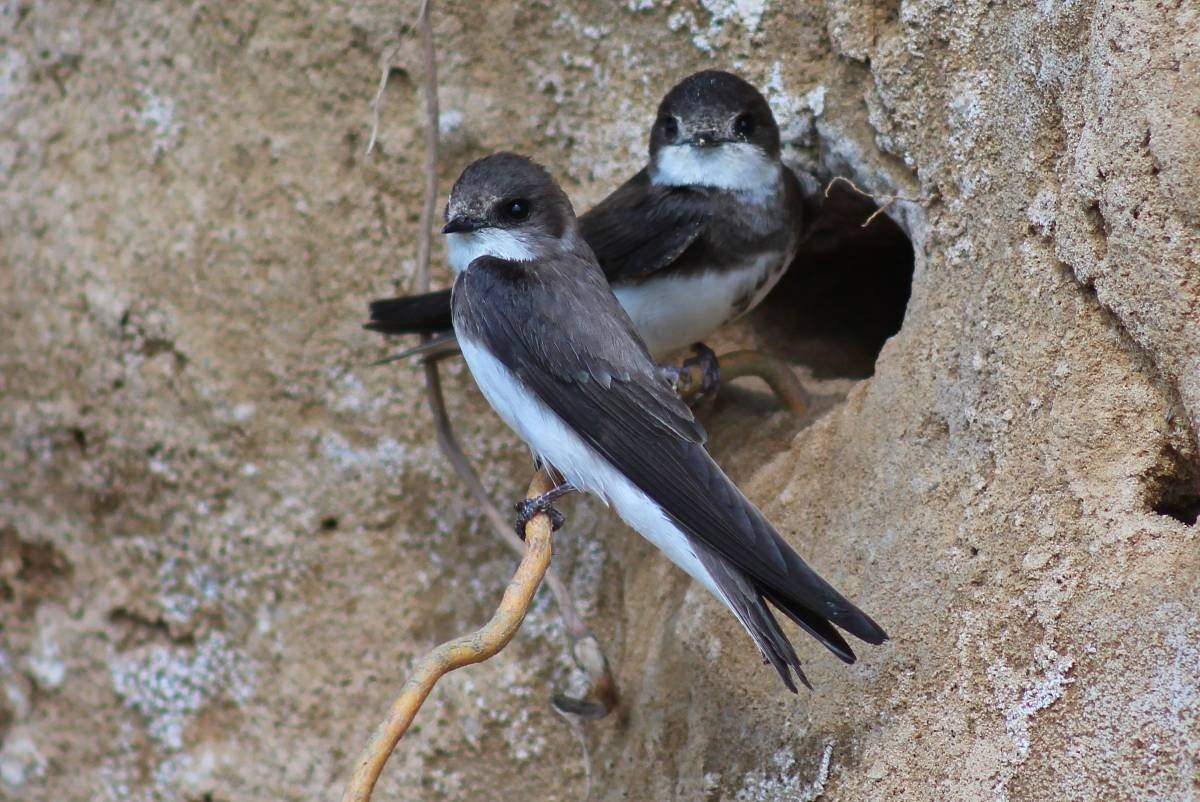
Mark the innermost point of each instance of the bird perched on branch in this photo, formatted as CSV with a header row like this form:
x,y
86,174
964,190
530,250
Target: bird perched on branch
x,y
695,239
563,364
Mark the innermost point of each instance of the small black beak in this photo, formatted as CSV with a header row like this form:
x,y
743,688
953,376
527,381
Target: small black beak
x,y
461,225
706,139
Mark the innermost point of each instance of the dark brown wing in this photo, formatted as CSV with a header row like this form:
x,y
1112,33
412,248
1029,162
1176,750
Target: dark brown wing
x,y
640,229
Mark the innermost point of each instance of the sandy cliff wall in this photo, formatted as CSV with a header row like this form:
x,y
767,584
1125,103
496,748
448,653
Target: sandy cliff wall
x,y
222,537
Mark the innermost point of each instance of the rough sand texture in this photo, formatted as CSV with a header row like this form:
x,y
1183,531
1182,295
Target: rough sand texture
x,y
222,537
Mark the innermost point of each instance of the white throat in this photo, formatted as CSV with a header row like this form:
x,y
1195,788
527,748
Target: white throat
x,y
737,166
464,248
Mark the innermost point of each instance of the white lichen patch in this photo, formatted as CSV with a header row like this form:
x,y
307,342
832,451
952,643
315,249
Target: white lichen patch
x,y
156,116
815,100
785,781
795,114
387,454
20,760
45,661
748,13
12,77
686,21
350,395
450,122
1171,699
168,685
1020,698
1042,211
186,587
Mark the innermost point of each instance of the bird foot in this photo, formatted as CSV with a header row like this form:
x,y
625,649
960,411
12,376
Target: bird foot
x,y
698,378
530,507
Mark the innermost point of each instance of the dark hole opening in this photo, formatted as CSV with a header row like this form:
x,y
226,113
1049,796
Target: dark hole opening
x,y
329,523
845,293
1179,494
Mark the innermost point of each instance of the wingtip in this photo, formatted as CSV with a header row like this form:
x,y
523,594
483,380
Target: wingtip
x,y
785,674
875,633
861,626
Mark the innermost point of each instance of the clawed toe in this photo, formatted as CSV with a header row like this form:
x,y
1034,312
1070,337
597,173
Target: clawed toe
x,y
529,508
697,378
705,360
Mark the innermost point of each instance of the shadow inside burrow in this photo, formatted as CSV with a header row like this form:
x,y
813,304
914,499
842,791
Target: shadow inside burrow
x,y
845,293
1176,493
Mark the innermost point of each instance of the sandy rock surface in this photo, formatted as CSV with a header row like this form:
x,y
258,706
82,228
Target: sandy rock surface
x,y
223,537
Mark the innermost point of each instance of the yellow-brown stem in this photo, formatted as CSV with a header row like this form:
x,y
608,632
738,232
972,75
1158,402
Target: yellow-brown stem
x,y
465,650
774,371
777,373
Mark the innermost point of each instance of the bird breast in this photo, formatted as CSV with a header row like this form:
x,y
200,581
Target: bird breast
x,y
671,312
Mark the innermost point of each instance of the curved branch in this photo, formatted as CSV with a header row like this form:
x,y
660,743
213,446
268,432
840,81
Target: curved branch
x,y
777,373
585,649
465,650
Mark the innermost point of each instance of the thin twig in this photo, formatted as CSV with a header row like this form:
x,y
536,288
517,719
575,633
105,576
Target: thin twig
x,y
434,349
585,649
888,200
576,727
465,650
377,103
432,123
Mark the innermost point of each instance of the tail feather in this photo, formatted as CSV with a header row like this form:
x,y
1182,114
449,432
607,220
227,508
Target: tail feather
x,y
714,514
808,600
752,611
809,594
816,626
413,314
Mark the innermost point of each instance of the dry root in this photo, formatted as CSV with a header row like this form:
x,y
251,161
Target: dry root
x,y
462,651
885,201
776,372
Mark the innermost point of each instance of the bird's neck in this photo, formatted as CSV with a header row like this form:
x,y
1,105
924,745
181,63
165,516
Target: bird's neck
x,y
509,245
733,166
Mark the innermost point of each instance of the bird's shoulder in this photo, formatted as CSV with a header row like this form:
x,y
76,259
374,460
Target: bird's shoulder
x,y
642,228
556,324
796,200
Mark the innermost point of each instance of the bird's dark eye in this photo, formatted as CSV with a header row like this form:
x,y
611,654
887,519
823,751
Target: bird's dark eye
x,y
670,128
516,209
744,125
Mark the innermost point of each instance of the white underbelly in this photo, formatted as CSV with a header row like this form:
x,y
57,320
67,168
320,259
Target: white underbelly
x,y
557,444
672,312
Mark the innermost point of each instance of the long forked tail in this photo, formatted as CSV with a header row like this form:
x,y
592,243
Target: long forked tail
x,y
413,314
807,599
748,606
